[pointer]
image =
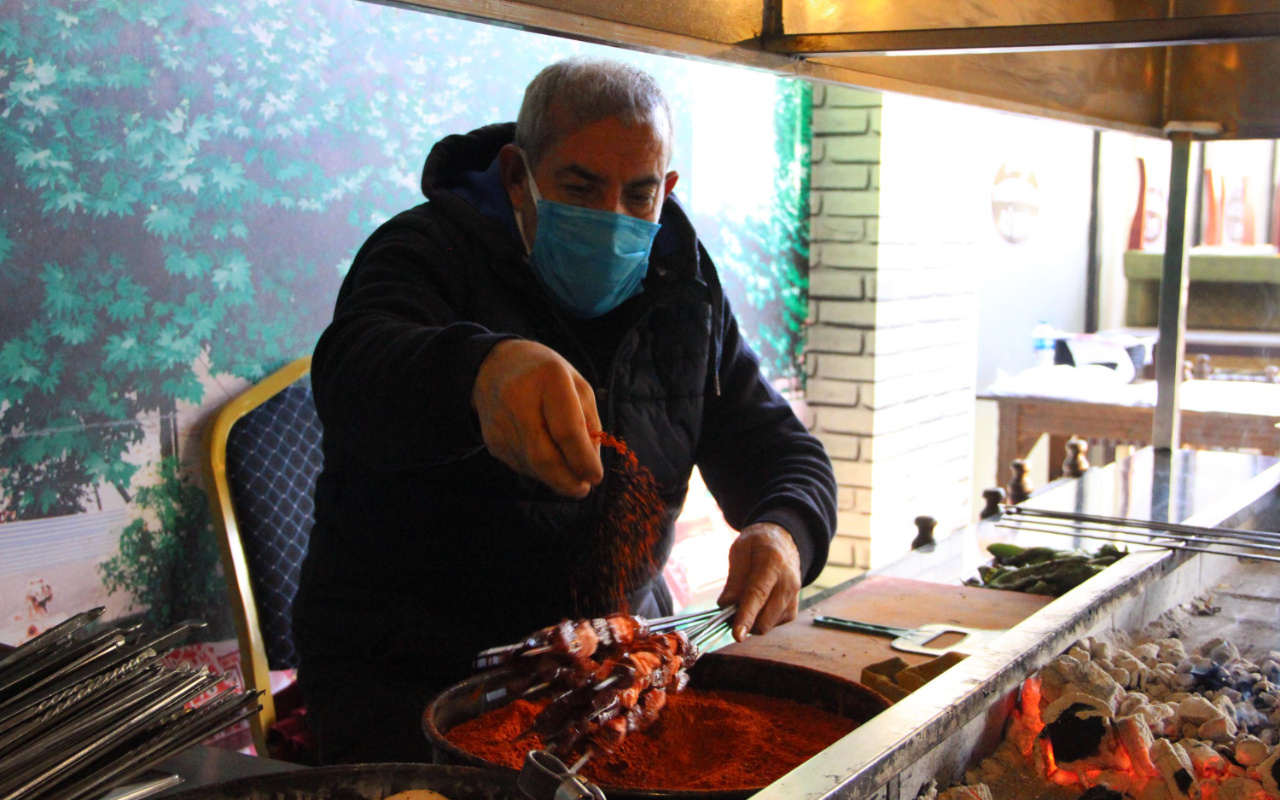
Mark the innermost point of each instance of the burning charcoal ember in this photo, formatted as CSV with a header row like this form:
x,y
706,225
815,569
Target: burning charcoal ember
x,y
1205,761
1175,768
1251,751
1135,737
1076,725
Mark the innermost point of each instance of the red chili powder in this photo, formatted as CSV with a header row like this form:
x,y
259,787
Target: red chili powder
x,y
619,555
704,741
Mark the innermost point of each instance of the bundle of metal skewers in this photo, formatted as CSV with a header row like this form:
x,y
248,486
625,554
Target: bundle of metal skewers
x,y
605,677
1259,545
82,712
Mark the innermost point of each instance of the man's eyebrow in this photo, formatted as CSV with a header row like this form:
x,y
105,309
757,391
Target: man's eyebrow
x,y
587,175
583,173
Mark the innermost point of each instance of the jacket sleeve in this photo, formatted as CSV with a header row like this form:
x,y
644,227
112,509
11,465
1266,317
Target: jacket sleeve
x,y
393,372
757,457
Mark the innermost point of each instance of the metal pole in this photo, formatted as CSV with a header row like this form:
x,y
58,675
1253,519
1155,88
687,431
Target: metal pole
x,y
1166,427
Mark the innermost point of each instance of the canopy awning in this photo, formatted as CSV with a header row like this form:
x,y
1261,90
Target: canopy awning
x,y
1145,66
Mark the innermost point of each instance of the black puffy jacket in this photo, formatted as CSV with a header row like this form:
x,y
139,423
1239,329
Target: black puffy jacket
x,y
425,548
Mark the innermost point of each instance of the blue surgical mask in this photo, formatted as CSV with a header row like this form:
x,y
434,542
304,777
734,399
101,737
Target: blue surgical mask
x,y
591,261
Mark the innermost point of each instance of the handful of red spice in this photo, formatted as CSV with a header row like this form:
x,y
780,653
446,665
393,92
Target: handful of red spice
x,y
619,555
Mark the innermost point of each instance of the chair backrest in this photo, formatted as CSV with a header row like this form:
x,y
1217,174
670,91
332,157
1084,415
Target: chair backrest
x,y
262,458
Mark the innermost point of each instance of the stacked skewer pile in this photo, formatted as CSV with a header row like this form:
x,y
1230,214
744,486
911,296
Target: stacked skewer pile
x,y
1259,545
605,677
81,712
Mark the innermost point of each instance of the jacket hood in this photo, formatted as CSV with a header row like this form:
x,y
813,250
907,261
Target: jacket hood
x,y
460,179
454,156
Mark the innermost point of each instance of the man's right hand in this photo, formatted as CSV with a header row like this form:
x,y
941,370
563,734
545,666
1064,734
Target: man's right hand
x,y
537,414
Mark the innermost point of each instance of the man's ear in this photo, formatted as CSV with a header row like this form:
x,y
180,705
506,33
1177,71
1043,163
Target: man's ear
x,y
512,171
669,182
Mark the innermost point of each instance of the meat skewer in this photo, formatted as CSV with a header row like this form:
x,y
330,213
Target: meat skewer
x,y
611,676
581,638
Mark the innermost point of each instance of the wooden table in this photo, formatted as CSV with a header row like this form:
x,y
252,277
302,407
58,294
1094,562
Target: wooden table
x,y
1212,419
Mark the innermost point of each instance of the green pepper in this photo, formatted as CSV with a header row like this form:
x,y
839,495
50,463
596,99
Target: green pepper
x,y
1004,551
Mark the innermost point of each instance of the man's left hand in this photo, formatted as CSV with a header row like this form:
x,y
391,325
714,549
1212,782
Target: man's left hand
x,y
764,579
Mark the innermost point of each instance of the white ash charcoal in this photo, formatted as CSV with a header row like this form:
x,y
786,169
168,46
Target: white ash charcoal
x,y
1171,650
1054,678
1183,680
1102,651
1080,654
1166,672
1162,718
1223,654
1204,759
1126,661
1066,674
1139,677
1173,698
1096,707
1250,751
976,792
1175,768
1119,675
1209,646
1190,730
1131,703
1158,691
1196,710
1271,667
1148,653
1135,737
1226,703
1268,736
1222,729
1201,664
1239,789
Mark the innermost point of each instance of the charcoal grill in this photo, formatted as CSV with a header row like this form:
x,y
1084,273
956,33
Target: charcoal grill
x,y
950,723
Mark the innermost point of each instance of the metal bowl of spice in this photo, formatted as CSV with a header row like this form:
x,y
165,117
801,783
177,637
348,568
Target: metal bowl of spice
x,y
740,725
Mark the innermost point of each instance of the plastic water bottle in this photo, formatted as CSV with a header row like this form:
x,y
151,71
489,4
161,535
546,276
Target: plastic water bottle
x,y
1043,340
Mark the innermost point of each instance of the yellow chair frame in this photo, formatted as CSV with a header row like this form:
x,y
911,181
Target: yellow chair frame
x,y
253,656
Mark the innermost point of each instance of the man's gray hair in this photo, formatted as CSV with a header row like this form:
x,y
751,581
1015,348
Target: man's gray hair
x,y
579,91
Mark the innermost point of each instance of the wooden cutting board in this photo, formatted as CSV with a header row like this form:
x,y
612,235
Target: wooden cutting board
x,y
888,601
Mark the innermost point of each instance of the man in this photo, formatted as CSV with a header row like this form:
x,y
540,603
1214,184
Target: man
x,y
550,288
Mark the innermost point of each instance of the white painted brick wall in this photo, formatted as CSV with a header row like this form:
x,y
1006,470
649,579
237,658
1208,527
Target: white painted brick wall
x,y
890,350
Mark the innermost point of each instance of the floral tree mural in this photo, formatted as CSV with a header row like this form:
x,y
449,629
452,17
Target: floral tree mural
x,y
184,186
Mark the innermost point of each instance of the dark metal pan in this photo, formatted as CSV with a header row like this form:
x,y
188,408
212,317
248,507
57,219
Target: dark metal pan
x,y
484,692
